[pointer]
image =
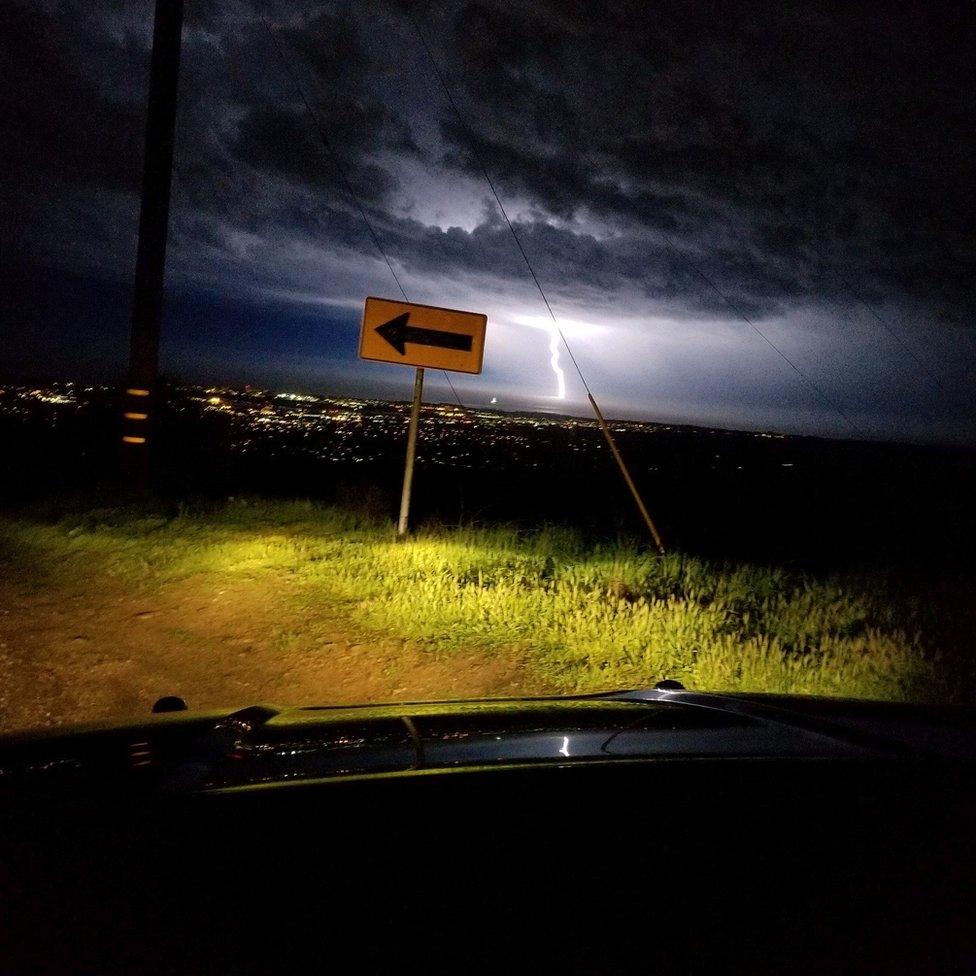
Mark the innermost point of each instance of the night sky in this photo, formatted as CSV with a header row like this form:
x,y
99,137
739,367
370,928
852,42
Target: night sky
x,y
672,169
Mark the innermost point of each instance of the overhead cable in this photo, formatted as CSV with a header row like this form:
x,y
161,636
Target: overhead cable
x,y
450,97
604,427
340,169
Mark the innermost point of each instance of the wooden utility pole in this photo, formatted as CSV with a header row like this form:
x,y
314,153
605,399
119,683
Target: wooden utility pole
x,y
147,299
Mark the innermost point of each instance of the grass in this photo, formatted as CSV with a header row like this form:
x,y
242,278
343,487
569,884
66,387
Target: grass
x,y
584,615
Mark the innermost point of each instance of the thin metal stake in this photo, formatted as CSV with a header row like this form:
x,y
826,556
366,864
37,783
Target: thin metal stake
x,y
418,392
623,470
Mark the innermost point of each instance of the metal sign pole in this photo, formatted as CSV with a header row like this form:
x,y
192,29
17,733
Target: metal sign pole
x,y
418,392
425,337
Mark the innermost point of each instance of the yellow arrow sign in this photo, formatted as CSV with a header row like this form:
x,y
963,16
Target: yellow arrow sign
x,y
422,335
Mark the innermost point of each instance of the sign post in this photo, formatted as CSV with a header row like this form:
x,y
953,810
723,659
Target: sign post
x,y
403,523
427,337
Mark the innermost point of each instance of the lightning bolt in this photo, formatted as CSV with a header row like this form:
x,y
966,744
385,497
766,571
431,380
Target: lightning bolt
x,y
551,328
554,362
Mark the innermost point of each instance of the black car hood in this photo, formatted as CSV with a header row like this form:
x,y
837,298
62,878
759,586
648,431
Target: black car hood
x,y
272,745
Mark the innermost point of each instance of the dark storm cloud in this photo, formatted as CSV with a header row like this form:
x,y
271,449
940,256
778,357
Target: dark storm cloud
x,y
787,136
330,60
767,153
62,130
50,106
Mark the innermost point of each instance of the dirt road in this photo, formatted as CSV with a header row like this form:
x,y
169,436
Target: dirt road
x,y
97,652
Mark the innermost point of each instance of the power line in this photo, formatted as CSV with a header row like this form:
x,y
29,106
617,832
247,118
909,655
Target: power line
x,y
326,142
885,325
494,192
604,427
755,328
450,383
340,169
900,340
849,286
320,130
450,97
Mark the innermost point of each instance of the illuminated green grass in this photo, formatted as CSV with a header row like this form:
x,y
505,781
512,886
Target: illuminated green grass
x,y
584,616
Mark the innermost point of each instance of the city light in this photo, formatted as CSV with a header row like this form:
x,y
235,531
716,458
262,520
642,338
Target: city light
x,y
264,426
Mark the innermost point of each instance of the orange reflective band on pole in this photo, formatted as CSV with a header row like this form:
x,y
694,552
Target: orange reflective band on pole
x,y
137,392
133,440
136,416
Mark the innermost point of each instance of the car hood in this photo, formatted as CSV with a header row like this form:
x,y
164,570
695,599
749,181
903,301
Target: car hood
x,y
266,744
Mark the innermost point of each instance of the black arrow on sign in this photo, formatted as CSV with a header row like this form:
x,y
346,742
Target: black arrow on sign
x,y
398,333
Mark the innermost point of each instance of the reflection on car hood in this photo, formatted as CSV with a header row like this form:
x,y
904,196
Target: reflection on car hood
x,y
270,745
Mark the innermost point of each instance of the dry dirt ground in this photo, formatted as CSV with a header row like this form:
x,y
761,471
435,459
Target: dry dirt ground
x,y
97,652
